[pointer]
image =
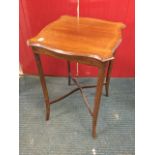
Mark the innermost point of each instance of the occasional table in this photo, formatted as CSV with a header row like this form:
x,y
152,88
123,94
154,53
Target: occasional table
x,y
85,40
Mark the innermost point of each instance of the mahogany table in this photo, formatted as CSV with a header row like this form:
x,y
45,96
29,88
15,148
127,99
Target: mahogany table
x,y
84,40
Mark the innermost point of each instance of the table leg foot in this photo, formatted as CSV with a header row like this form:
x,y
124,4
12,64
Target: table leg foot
x,y
47,112
100,81
43,84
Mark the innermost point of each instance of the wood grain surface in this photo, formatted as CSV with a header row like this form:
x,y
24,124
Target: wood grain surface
x,y
86,37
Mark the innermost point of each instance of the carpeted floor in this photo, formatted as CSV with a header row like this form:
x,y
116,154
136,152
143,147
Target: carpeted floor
x,y
68,132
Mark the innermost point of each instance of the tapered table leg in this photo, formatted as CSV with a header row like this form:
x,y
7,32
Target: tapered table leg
x,y
69,73
108,77
100,81
43,84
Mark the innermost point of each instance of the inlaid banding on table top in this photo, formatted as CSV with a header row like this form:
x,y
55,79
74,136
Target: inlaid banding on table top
x,y
86,37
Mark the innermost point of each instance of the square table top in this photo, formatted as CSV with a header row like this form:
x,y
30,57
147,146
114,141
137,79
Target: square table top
x,y
87,37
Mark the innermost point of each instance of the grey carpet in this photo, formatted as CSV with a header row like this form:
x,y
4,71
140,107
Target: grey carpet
x,y
68,132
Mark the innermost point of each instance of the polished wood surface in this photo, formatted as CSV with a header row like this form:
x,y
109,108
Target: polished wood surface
x,y
99,88
86,37
43,84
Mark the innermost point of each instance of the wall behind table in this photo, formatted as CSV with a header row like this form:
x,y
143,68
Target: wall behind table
x,y
34,15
